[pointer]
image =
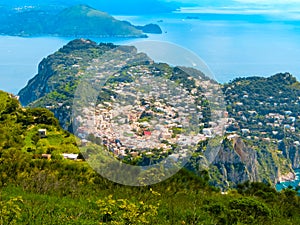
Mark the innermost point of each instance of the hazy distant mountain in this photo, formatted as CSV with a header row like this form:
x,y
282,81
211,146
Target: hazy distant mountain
x,y
78,20
84,20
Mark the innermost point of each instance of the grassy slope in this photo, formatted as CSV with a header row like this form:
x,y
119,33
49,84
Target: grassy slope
x,y
37,191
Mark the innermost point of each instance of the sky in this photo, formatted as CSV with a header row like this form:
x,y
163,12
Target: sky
x,y
290,7
250,4
287,9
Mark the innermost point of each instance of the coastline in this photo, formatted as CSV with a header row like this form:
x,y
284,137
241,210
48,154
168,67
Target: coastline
x,y
291,176
293,183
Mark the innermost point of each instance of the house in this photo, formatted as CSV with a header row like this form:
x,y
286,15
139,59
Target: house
x,y
46,156
225,114
207,132
245,131
134,154
84,142
165,135
147,133
70,156
42,133
252,112
232,136
292,119
288,112
266,139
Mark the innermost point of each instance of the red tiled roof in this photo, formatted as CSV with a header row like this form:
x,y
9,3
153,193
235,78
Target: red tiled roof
x,y
147,133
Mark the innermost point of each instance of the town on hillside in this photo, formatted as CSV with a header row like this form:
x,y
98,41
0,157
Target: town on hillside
x,y
147,112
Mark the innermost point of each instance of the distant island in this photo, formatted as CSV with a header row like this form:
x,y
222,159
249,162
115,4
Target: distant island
x,y
78,21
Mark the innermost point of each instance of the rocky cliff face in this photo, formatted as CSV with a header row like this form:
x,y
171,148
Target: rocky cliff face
x,y
292,152
38,87
236,162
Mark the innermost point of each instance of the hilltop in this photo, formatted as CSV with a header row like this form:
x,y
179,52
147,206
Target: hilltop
x,y
238,159
78,20
37,189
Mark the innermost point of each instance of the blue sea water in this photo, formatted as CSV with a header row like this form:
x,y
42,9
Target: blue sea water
x,y
294,183
232,46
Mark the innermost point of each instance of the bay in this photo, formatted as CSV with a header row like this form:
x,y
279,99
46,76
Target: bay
x,y
295,183
230,46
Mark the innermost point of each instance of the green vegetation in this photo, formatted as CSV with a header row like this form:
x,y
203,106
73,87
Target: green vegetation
x,y
57,191
251,100
265,111
78,20
19,129
248,105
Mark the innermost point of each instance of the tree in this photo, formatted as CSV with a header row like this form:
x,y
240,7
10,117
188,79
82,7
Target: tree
x,y
10,211
248,211
123,211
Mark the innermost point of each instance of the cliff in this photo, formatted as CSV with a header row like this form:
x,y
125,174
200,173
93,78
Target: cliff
x,y
54,85
235,161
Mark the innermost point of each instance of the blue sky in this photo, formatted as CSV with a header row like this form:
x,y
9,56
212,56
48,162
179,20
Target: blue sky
x,y
285,9
246,4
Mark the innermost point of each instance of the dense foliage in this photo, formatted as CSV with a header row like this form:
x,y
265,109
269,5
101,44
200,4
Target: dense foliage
x,y
19,130
59,191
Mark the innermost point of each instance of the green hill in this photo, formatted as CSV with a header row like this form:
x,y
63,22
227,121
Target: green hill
x,y
19,129
236,162
267,110
78,20
35,190
84,20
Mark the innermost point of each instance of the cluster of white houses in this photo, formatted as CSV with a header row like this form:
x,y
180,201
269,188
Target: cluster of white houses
x,y
273,120
147,114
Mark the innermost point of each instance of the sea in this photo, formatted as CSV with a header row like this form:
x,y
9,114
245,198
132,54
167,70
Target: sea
x,y
230,46
295,183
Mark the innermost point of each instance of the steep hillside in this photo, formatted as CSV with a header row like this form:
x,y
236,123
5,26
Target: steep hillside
x,y
240,157
83,20
58,75
71,192
20,131
266,111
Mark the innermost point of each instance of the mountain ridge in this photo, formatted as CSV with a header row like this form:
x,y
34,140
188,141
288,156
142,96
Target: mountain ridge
x,y
79,20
